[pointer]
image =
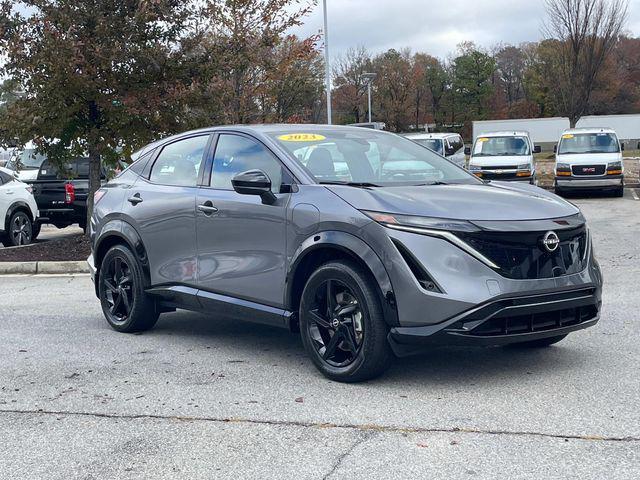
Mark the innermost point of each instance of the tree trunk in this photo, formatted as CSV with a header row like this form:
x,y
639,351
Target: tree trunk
x,y
94,181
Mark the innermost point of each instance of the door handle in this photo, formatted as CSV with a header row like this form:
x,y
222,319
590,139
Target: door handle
x,y
135,199
207,208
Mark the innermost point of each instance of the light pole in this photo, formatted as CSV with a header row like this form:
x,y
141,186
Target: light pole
x,y
327,66
369,77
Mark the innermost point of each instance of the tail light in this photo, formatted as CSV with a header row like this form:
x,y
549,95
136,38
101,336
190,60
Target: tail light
x,y
69,194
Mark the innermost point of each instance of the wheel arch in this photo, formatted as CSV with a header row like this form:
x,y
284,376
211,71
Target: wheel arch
x,y
18,206
335,245
119,232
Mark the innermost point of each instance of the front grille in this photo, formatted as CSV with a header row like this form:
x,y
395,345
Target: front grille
x,y
509,167
499,176
536,322
521,255
588,170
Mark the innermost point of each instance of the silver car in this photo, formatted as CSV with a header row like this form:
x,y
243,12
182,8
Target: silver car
x,y
368,244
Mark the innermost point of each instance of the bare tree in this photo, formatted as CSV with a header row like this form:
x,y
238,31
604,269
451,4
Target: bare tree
x,y
350,85
587,31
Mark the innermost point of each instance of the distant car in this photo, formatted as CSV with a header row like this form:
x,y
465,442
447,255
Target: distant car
x,y
589,158
26,162
449,145
371,125
18,211
504,156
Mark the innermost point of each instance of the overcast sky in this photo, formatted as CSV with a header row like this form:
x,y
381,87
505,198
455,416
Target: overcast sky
x,y
434,26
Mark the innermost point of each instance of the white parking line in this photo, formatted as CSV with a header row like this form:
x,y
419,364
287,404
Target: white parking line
x,y
634,192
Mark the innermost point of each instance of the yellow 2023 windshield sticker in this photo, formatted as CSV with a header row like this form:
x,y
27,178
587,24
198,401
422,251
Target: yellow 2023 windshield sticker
x,y
301,137
483,139
567,135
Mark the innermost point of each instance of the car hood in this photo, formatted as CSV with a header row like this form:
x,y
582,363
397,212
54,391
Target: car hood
x,y
487,202
500,161
589,158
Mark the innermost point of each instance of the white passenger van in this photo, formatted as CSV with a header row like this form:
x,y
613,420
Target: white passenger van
x,y
589,158
504,156
449,145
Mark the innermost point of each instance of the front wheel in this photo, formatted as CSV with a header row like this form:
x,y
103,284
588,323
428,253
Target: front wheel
x,y
618,192
342,325
125,304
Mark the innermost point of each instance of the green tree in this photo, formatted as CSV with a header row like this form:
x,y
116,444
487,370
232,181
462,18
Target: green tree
x,y
472,83
97,76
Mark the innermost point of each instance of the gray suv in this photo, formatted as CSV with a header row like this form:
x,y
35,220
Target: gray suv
x,y
368,244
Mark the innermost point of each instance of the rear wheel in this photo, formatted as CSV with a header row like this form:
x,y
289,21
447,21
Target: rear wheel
x,y
342,324
619,192
125,304
541,342
20,230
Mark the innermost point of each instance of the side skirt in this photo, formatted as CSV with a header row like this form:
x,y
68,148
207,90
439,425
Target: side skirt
x,y
189,298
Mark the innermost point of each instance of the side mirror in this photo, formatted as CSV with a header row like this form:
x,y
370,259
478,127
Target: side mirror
x,y
254,182
622,147
537,149
555,149
467,150
638,145
449,151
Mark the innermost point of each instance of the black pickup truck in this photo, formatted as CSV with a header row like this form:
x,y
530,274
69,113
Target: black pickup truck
x,y
61,194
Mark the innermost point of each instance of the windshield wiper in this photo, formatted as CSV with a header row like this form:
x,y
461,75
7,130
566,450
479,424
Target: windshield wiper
x,y
350,184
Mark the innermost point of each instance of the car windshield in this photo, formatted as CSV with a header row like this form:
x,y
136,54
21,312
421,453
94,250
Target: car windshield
x,y
588,143
501,146
434,144
28,159
368,158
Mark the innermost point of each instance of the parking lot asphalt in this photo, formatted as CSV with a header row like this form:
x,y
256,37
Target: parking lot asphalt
x,y
200,397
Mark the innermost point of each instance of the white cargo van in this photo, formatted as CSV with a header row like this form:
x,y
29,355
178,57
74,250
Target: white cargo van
x,y
504,156
589,158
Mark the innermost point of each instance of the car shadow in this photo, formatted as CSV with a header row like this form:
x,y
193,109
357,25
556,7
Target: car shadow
x,y
440,365
587,194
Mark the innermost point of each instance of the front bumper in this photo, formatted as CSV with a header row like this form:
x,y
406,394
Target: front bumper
x,y
610,181
505,320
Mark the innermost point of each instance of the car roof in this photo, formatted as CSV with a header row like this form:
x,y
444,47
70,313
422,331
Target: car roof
x,y
425,135
505,133
590,130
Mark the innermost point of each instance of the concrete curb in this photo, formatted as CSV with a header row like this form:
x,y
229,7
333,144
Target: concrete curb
x,y
34,268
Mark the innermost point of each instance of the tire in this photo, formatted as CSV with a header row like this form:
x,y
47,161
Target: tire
x,y
361,351
125,304
618,192
20,231
541,342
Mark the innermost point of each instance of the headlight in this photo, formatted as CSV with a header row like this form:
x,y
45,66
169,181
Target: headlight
x,y
475,168
563,170
426,223
524,166
562,166
614,168
443,228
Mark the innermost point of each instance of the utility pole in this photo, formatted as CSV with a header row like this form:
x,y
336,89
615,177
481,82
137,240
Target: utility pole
x,y
327,66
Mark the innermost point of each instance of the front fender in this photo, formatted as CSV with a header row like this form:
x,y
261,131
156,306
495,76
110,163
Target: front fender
x,y
355,247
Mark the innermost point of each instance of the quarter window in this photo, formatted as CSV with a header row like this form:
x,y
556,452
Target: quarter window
x,y
179,162
236,154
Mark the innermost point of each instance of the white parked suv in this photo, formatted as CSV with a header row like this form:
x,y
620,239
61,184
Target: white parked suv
x,y
449,145
504,156
589,158
18,211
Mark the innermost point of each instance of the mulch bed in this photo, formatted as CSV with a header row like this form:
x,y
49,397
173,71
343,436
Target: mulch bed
x,y
69,248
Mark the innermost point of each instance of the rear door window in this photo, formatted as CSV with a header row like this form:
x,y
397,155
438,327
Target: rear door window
x,y
179,162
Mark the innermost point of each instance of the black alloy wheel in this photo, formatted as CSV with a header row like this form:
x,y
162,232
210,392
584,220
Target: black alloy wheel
x,y
336,326
20,230
118,284
121,287
342,324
